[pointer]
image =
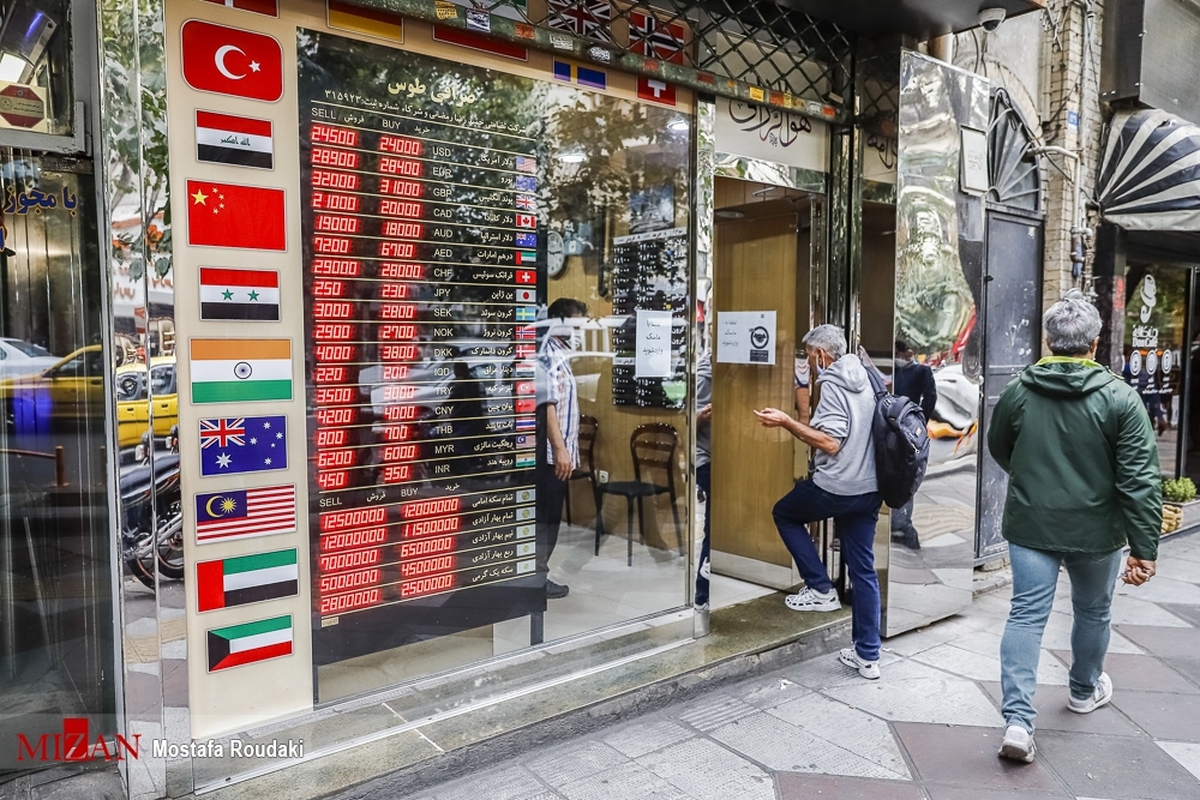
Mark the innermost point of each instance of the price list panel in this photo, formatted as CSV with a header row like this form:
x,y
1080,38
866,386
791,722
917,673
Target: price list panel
x,y
421,273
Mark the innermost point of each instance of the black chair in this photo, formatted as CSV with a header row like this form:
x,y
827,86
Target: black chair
x,y
653,447
588,428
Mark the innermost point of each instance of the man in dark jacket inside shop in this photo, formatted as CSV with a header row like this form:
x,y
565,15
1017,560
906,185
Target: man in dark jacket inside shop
x,y
913,380
1084,480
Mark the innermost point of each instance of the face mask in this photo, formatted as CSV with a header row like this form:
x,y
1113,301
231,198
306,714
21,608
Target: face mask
x,y
902,362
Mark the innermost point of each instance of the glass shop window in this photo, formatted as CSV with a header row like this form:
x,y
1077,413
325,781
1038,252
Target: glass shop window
x,y
35,66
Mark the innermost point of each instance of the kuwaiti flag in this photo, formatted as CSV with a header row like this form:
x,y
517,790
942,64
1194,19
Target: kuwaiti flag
x,y
242,580
226,139
245,294
241,370
249,642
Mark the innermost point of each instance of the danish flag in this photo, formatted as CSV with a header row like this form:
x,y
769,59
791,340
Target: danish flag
x,y
653,38
587,18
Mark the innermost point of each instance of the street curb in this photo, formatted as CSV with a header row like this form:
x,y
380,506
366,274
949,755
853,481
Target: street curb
x,y
641,700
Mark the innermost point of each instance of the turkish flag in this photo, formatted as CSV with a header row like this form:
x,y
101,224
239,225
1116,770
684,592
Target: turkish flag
x,y
229,215
232,61
656,90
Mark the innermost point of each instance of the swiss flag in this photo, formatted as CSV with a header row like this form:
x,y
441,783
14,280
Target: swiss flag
x,y
229,215
656,90
232,61
526,276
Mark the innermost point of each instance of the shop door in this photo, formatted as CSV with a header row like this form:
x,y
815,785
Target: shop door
x,y
757,242
1012,333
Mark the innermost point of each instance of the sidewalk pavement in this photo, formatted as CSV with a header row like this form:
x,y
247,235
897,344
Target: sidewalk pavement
x,y
929,729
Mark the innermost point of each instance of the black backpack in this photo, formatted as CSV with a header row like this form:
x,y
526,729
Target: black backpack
x,y
901,444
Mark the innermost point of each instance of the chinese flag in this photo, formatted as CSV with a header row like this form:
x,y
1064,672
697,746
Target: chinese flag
x,y
526,405
229,215
232,61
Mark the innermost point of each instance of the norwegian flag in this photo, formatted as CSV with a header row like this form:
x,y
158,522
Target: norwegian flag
x,y
526,333
222,432
590,19
653,38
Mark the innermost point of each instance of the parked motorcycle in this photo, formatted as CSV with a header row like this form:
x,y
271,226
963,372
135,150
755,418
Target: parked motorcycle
x,y
145,545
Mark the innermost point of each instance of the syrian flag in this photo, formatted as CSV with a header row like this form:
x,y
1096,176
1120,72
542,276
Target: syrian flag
x,y
226,139
241,294
249,643
242,580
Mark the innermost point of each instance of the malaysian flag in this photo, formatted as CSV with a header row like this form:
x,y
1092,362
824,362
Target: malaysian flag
x,y
653,38
526,164
526,202
243,444
587,18
525,441
243,513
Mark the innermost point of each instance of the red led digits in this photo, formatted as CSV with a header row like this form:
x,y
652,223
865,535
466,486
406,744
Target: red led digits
x,y
401,166
328,288
335,458
353,518
335,352
393,291
349,580
328,179
397,250
399,452
329,157
426,547
329,481
335,437
398,352
337,267
332,309
430,508
428,527
337,223
331,134
333,331
396,433
402,230
328,201
393,333
329,374
351,540
395,372
392,311
392,269
350,560
397,473
403,188
401,208
415,568
400,413
335,245
339,603
400,145
393,392
438,583
335,416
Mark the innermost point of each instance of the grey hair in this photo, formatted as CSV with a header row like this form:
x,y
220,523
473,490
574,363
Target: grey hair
x,y
829,338
1071,325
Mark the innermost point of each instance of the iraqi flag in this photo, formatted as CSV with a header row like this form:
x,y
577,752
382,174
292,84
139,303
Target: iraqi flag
x,y
242,294
231,61
231,215
226,139
241,370
249,642
245,513
242,580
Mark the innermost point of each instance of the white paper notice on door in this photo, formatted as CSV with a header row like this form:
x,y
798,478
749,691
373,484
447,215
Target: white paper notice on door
x,y
653,344
746,337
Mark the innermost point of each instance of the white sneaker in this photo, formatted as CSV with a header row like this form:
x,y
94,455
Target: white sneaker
x,y
1100,696
868,669
1018,745
809,600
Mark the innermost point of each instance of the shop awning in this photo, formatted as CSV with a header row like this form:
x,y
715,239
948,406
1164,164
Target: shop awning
x,y
1150,176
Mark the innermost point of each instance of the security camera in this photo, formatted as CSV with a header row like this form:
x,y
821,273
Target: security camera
x,y
990,18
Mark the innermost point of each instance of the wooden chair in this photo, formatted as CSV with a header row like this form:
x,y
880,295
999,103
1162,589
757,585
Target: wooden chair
x,y
653,448
588,428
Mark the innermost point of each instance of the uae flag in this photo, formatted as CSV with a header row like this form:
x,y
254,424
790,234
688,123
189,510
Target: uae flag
x,y
245,294
248,579
231,215
241,370
226,139
249,642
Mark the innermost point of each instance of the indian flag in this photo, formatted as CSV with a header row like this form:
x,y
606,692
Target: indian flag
x,y
241,370
526,461
249,642
248,579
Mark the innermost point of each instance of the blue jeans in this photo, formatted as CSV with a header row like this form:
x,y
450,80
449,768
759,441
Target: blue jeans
x,y
704,483
1035,577
854,518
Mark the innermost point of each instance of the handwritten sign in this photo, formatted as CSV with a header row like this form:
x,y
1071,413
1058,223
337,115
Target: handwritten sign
x,y
746,337
653,344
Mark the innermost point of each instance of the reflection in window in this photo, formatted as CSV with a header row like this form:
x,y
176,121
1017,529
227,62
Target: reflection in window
x,y
35,73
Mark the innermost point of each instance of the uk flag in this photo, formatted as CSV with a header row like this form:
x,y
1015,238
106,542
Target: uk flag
x,y
526,202
653,38
590,19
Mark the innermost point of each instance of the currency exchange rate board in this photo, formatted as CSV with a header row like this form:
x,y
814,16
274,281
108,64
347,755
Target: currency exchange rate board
x,y
421,249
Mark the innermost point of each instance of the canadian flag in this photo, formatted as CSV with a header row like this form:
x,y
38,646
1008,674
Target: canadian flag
x,y
526,221
231,61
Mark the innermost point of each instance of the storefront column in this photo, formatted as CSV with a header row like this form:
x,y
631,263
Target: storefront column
x,y
1108,272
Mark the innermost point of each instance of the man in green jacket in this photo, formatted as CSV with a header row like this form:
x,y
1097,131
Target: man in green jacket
x,y
1084,480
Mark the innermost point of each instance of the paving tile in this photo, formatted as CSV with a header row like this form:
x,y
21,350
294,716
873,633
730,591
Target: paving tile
x,y
914,692
707,771
713,711
1165,590
986,667
938,792
574,761
1058,635
643,737
1164,641
849,728
1129,610
621,783
1186,753
1187,667
966,756
1189,613
779,745
1129,768
506,783
1163,715
1144,673
770,690
1051,705
798,786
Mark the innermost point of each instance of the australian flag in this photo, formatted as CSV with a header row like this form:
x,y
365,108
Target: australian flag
x,y
243,444
526,240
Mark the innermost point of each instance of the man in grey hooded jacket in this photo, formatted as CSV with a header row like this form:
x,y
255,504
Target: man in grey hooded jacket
x,y
842,487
